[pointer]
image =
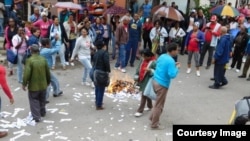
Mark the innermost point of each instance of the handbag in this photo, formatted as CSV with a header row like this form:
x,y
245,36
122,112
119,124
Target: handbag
x,y
149,90
12,57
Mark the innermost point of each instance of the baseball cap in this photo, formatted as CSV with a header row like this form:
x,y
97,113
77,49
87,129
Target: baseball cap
x,y
43,14
193,11
197,24
213,18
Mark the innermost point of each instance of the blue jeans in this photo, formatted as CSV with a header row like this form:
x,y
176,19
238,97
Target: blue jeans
x,y
20,68
122,56
69,50
113,46
54,83
61,55
99,93
87,67
219,75
132,45
1,26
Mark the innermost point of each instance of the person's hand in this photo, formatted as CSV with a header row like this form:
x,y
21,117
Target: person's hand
x,y
67,44
213,61
178,64
24,88
11,101
56,37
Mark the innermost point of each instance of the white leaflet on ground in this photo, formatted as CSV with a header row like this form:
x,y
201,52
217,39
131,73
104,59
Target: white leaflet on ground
x,y
46,135
5,114
48,121
52,110
20,134
130,132
120,133
120,120
4,121
169,134
61,104
16,89
63,120
17,110
61,137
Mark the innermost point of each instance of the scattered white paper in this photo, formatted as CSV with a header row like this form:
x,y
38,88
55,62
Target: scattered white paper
x,y
63,120
16,89
61,104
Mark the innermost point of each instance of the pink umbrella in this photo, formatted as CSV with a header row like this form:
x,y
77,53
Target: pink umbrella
x,y
68,5
169,12
115,10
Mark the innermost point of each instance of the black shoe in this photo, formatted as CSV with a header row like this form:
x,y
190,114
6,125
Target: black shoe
x,y
242,76
207,67
212,79
131,65
59,94
43,115
46,102
36,120
213,87
248,79
223,84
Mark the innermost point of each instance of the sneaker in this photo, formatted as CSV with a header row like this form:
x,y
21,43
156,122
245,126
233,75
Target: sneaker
x,y
189,70
147,109
53,67
86,83
237,70
116,68
198,73
229,68
72,64
92,85
64,67
123,70
137,114
67,63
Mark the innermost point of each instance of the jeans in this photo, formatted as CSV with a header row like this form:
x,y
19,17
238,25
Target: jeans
x,y
1,26
69,50
54,83
106,42
99,93
87,67
113,46
20,68
207,48
132,45
122,56
219,75
61,55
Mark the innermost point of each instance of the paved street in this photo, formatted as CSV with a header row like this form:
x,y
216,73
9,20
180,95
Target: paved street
x,y
72,117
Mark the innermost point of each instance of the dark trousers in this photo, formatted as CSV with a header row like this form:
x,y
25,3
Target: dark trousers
x,y
69,49
161,94
207,48
246,66
99,93
37,102
147,43
144,99
106,42
219,75
131,50
237,58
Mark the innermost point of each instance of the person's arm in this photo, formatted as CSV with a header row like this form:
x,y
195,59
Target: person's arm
x,y
182,33
26,74
152,34
219,50
77,46
164,32
37,23
106,61
56,46
172,70
16,42
4,84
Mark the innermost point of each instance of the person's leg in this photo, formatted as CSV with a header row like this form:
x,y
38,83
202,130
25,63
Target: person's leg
x,y
118,60
99,95
42,101
239,61
48,92
161,94
55,84
87,67
54,60
67,52
203,52
196,59
123,55
62,55
72,46
106,42
246,66
113,47
145,43
20,68
128,52
142,104
234,60
134,52
149,44
217,77
34,105
190,55
210,56
1,26
149,103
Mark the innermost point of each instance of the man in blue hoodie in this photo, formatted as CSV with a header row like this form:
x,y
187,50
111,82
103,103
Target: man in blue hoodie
x,y
166,69
221,58
46,51
135,28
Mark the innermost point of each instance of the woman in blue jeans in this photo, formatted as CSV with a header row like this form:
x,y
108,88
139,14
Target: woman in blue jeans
x,y
101,62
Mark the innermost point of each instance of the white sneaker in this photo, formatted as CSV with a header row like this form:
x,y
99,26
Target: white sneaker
x,y
123,70
147,109
86,83
137,114
198,73
67,63
237,70
92,85
72,64
116,68
229,68
188,70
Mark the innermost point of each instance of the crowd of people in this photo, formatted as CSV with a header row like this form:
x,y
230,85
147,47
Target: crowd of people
x,y
47,36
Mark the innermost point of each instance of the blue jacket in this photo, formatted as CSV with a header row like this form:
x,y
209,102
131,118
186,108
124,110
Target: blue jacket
x,y
33,40
100,27
48,52
34,18
248,48
200,36
222,52
135,30
165,70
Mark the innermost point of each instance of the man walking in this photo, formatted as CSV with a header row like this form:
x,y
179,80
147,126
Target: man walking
x,y
37,78
47,52
166,69
221,58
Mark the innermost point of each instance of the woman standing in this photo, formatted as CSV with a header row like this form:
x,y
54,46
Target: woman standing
x,y
71,31
82,48
147,26
144,73
101,62
20,45
9,32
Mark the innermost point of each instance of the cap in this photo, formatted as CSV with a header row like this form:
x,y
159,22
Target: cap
x,y
193,11
43,14
213,18
197,24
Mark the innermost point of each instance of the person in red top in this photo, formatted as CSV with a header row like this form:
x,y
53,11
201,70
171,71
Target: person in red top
x,y
212,32
147,26
6,90
193,41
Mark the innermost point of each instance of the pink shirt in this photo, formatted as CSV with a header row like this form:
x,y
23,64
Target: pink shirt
x,y
16,40
43,26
